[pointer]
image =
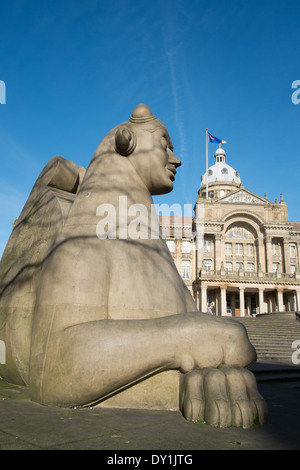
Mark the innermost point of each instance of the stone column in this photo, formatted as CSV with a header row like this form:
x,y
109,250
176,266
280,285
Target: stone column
x,y
218,255
279,300
297,306
199,228
203,299
286,256
269,264
223,300
261,255
197,298
242,301
261,300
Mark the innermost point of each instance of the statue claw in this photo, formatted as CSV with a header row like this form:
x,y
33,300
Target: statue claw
x,y
222,397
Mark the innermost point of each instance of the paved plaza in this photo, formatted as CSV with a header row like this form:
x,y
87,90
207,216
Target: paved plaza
x,y
25,425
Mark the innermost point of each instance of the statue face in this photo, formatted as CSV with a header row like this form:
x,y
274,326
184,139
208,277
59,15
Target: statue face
x,y
154,160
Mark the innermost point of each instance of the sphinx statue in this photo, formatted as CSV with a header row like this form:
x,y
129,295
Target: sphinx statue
x,y
87,311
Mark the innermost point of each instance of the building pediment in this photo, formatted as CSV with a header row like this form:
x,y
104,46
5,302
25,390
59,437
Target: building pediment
x,y
242,196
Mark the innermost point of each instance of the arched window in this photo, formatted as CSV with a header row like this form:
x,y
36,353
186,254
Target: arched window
x,y
239,232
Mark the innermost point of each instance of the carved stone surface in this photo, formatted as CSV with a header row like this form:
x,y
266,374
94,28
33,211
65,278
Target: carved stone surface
x,y
88,312
243,197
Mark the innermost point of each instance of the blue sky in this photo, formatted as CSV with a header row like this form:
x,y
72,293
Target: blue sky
x,y
73,70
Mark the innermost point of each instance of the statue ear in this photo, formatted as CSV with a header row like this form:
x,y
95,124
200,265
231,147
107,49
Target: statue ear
x,y
125,141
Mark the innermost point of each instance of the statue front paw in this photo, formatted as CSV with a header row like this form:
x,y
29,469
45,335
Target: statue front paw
x,y
222,397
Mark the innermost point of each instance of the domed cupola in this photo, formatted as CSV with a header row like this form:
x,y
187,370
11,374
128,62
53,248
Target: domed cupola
x,y
220,175
220,155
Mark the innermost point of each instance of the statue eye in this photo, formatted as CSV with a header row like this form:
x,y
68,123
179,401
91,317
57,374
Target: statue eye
x,y
164,143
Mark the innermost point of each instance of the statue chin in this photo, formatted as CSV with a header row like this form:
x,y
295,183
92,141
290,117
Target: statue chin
x,y
162,190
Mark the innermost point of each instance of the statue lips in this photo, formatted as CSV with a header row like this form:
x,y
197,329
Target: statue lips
x,y
172,170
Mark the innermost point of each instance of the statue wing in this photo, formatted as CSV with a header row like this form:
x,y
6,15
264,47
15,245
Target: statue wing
x,y
34,232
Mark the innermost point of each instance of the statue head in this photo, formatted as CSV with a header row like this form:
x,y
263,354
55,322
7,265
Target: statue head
x,y
145,141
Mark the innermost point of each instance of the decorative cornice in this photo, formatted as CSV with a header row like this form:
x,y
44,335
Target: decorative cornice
x,y
277,227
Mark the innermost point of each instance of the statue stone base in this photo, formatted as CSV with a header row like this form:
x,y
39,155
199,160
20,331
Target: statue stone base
x,y
159,392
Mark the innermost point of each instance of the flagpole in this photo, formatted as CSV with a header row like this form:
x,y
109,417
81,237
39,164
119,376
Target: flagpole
x,y
206,166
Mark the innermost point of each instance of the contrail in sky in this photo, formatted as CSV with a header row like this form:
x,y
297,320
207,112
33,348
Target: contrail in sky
x,y
178,120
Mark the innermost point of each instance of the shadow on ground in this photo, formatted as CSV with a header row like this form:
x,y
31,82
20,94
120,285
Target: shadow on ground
x,y
25,425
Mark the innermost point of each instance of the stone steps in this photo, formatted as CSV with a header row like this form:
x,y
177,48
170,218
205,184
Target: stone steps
x,y
272,371
272,336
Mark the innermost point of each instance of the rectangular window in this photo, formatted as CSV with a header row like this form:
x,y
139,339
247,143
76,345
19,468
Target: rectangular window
x,y
292,250
239,249
207,246
250,267
228,248
186,269
228,266
171,245
208,264
293,268
276,248
186,247
276,267
250,249
239,266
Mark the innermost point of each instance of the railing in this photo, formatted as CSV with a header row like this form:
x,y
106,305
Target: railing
x,y
247,275
297,316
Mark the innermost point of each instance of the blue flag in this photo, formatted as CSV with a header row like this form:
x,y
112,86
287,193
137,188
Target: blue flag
x,y
215,140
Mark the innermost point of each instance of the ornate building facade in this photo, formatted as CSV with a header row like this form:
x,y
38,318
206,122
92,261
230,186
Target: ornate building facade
x,y
239,254
179,236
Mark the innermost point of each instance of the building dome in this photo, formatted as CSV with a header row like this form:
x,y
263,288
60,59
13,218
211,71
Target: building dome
x,y
220,171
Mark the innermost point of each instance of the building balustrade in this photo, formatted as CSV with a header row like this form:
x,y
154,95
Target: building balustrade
x,y
247,275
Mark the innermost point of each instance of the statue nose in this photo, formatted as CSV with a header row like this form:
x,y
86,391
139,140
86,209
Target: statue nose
x,y
174,159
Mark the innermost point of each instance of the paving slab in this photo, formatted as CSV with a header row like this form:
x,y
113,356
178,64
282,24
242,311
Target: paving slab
x,y
25,425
